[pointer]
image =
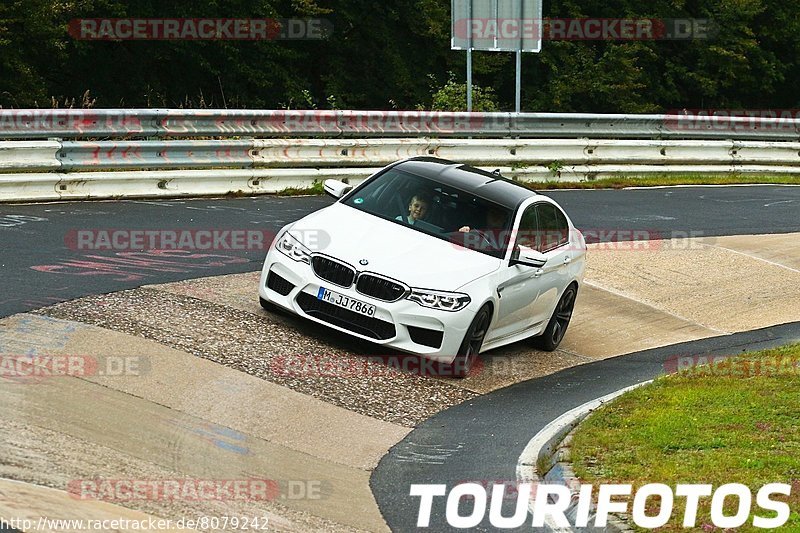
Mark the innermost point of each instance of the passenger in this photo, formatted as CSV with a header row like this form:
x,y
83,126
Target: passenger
x,y
417,209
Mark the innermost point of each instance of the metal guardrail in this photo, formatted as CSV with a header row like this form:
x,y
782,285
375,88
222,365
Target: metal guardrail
x,y
195,152
74,156
177,123
250,181
64,170
164,183
78,155
29,155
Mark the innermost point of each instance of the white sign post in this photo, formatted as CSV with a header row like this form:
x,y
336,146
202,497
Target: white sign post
x,y
496,26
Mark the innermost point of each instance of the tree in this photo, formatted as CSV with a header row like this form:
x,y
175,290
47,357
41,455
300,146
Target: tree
x,y
382,55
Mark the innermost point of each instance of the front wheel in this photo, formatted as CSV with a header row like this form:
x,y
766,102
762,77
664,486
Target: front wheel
x,y
471,345
557,327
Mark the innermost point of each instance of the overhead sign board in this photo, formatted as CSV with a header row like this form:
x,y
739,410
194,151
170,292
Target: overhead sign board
x,y
497,25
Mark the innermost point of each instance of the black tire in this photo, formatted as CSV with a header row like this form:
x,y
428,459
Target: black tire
x,y
554,333
471,345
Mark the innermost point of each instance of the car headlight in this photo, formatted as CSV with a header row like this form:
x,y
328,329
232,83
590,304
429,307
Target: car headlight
x,y
444,301
293,249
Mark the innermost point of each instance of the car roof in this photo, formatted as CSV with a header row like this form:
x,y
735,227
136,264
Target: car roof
x,y
487,185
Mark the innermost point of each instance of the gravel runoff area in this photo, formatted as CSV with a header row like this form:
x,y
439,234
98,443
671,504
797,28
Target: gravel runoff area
x,y
265,348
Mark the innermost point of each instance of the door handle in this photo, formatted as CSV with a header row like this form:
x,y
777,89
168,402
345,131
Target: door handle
x,y
538,273
567,260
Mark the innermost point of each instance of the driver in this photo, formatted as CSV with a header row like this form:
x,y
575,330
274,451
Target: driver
x,y
493,235
495,220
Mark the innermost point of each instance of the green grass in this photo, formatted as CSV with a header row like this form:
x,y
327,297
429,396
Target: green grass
x,y
315,190
708,425
667,179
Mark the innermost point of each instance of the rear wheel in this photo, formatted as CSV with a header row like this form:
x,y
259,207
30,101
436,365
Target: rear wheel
x,y
471,345
557,327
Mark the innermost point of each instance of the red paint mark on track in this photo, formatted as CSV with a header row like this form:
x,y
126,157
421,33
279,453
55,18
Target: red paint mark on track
x,y
134,266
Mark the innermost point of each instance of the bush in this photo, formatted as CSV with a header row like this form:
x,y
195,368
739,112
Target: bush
x,y
453,97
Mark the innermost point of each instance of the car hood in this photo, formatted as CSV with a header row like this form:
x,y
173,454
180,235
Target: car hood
x,y
392,249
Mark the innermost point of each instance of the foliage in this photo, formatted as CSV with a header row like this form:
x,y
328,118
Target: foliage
x,y
555,167
453,97
316,189
381,56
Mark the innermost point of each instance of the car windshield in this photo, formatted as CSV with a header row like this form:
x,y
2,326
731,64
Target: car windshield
x,y
427,206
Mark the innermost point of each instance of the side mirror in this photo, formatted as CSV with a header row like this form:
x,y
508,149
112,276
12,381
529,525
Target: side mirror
x,y
522,255
336,188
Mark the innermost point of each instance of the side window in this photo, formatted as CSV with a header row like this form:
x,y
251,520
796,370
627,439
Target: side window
x,y
528,228
553,227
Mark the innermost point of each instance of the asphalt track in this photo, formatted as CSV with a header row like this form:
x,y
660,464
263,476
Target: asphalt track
x,y
40,267
481,440
474,441
37,236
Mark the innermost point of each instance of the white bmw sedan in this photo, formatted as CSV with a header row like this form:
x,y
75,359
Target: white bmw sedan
x,y
434,258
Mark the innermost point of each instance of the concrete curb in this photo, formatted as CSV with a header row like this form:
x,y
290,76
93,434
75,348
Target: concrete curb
x,y
542,462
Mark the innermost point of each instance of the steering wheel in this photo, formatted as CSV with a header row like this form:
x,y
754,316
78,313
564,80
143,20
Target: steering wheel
x,y
483,235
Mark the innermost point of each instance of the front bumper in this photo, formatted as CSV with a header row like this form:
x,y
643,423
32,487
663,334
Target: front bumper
x,y
401,325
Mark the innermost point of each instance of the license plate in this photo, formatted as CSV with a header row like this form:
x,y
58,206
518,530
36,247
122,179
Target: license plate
x,y
345,302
